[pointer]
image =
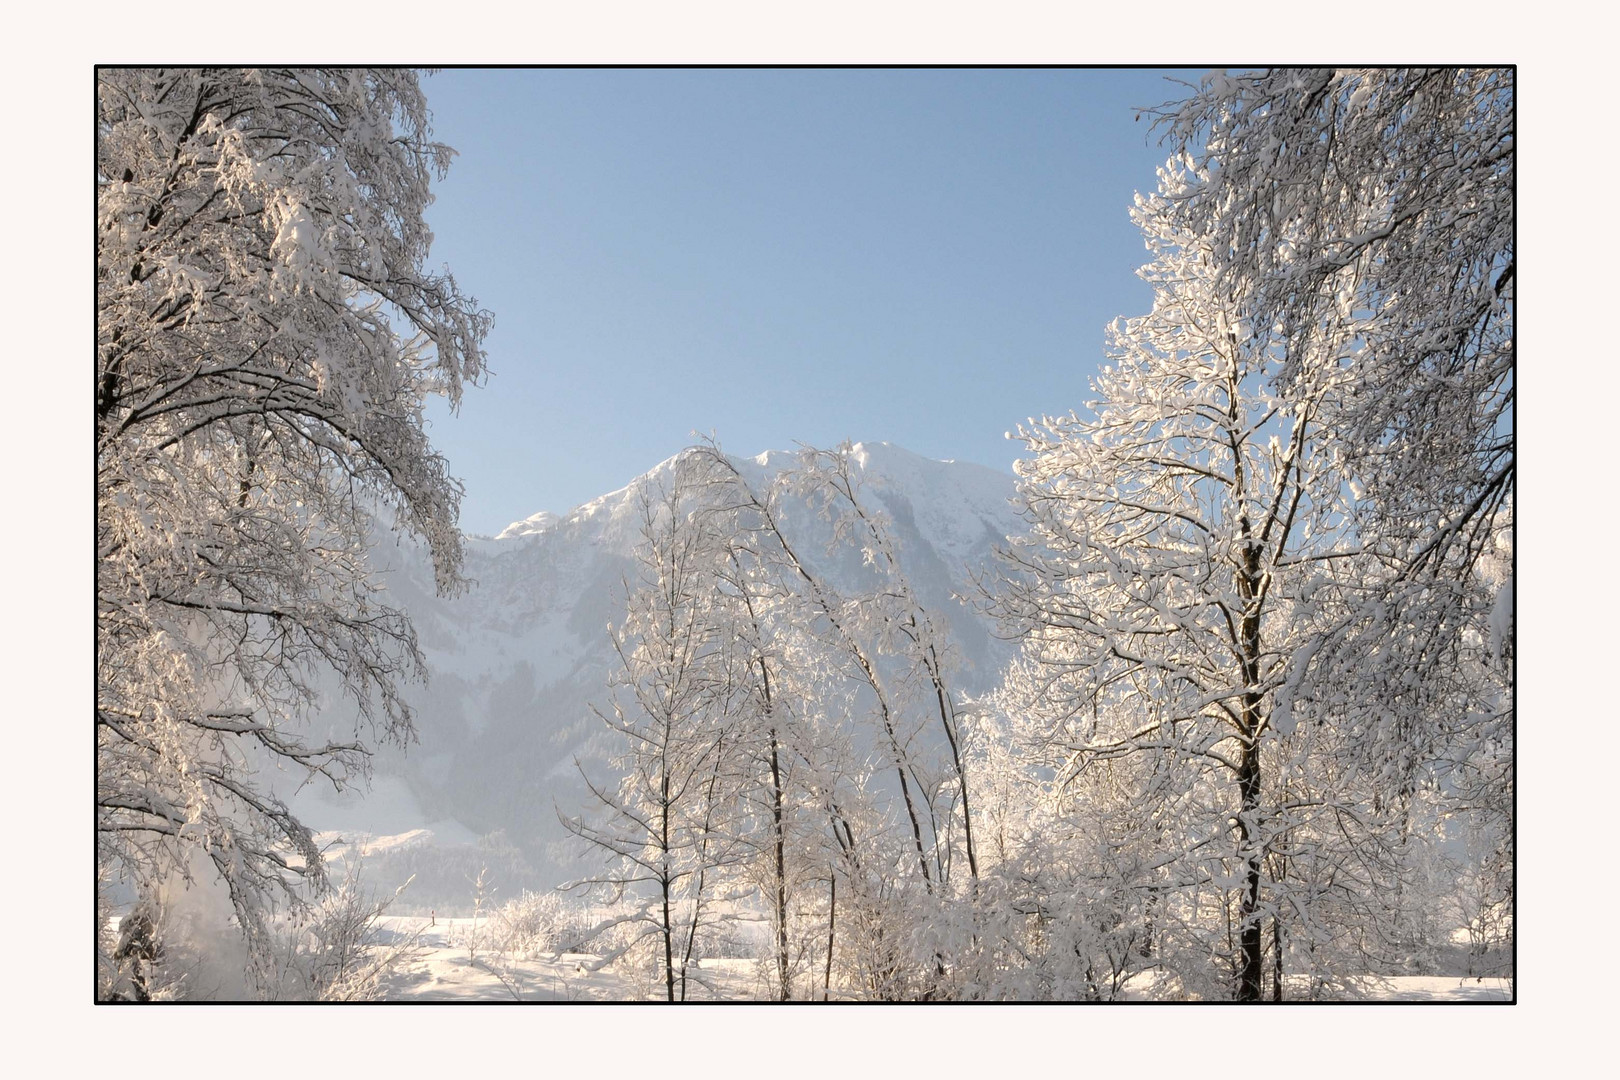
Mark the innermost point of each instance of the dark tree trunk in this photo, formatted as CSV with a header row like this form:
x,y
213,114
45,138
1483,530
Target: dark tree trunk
x,y
669,926
1249,929
1249,936
781,872
947,719
669,945
832,921
1276,959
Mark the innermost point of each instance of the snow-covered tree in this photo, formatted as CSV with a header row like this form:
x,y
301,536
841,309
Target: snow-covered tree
x,y
266,338
866,676
905,628
666,825
754,612
1186,535
1380,199
1379,203
1071,882
1260,581
805,673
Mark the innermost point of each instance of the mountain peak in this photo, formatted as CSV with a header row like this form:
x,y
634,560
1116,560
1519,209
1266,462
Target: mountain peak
x,y
534,523
883,464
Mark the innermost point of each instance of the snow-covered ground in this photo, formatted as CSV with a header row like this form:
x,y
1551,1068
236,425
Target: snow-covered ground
x,y
1439,988
442,970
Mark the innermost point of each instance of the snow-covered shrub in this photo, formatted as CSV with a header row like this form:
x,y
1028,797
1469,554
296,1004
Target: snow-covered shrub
x,y
337,950
533,923
633,949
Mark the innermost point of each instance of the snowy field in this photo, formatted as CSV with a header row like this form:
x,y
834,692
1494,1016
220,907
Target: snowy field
x,y
1440,988
443,971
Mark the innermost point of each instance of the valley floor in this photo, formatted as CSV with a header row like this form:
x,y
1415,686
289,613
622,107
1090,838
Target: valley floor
x,y
443,970
446,969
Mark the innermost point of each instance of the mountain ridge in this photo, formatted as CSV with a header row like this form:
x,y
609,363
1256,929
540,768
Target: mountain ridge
x,y
517,660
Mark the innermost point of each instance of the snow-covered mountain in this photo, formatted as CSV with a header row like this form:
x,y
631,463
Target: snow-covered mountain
x,y
517,659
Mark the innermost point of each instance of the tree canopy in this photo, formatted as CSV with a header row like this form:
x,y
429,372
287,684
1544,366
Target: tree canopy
x,y
266,338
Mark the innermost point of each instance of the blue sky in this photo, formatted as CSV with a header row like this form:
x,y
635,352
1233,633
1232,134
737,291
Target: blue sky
x,y
914,256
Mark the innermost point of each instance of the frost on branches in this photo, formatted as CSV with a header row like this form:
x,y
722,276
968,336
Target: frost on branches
x,y
1183,541
266,338
667,825
785,745
1379,203
1265,610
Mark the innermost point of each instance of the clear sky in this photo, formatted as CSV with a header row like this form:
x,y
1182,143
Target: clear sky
x,y
921,257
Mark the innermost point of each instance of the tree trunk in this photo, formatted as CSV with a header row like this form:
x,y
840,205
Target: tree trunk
x,y
669,927
947,720
832,921
1276,959
781,871
669,945
1249,937
1249,929
867,670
